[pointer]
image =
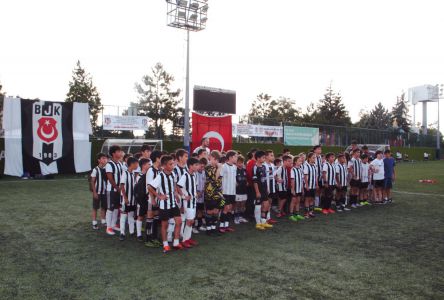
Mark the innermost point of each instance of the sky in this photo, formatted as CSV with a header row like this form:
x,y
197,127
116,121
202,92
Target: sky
x,y
370,51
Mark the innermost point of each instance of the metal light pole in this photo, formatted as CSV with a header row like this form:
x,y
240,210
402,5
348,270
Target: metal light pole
x,y
438,135
190,16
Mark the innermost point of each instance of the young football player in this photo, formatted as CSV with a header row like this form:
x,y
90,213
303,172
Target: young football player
x,y
377,169
297,188
200,208
113,174
271,183
213,192
389,175
241,191
329,176
128,202
282,184
354,169
141,195
260,184
98,188
365,171
311,184
228,174
341,183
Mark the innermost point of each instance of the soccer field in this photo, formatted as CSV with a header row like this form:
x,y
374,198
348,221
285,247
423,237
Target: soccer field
x,y
49,251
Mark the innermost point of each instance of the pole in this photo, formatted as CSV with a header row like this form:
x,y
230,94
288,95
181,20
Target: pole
x,y
186,137
438,138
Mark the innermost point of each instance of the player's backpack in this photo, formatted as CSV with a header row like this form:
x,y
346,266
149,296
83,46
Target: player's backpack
x,y
140,193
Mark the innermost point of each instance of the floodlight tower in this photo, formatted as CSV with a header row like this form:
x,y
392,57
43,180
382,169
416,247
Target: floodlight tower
x,y
424,93
190,16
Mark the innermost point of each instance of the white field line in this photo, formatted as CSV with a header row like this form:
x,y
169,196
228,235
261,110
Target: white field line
x,y
418,194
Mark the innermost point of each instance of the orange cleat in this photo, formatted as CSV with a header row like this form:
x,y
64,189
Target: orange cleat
x,y
331,211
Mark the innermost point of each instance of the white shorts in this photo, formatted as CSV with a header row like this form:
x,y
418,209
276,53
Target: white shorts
x,y
190,213
241,198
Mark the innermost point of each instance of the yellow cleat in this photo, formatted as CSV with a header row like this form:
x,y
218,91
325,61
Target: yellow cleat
x,y
266,225
260,227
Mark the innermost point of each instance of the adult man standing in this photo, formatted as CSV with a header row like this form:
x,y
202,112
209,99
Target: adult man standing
x,y
204,143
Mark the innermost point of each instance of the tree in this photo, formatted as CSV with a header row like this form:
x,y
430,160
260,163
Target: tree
x,y
268,111
378,118
82,89
330,110
260,109
158,100
400,113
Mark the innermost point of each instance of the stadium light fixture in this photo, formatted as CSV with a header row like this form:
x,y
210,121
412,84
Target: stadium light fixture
x,y
190,16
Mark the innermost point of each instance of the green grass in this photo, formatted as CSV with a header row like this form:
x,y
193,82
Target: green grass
x,y
48,251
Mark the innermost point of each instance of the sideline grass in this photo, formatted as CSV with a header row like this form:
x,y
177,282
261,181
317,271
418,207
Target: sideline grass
x,y
48,251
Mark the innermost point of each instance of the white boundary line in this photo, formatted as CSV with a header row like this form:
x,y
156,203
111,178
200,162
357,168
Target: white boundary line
x,y
418,194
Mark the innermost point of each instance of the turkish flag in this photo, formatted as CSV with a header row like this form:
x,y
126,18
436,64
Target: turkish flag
x,y
217,129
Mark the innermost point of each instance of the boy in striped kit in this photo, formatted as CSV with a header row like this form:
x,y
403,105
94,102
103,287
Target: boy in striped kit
x,y
128,201
98,188
282,184
311,184
297,186
271,182
365,174
179,171
329,174
260,182
228,174
188,190
141,194
200,207
317,150
113,173
163,189
341,183
354,168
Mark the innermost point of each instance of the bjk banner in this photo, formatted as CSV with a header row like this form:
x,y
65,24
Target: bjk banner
x,y
217,129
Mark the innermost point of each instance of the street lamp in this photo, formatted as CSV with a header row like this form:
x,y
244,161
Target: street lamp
x,y
438,136
190,16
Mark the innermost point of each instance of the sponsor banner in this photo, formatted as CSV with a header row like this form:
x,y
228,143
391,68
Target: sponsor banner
x,y
258,130
301,136
125,123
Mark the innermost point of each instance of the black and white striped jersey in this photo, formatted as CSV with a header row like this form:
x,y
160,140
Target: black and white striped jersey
x,y
281,173
297,175
228,174
128,182
271,181
330,174
365,172
179,171
188,184
318,163
310,170
115,168
356,166
341,172
100,184
151,175
165,184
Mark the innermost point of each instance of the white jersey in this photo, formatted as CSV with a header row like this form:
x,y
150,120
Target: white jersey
x,y
128,181
319,166
189,188
281,173
365,172
378,167
355,165
330,174
297,176
312,175
164,184
341,173
200,182
115,168
100,184
228,174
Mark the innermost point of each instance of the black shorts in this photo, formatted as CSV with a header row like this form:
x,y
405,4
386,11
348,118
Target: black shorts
x,y
311,193
112,200
320,184
329,191
142,208
128,208
229,199
100,202
166,214
342,189
211,204
379,183
200,206
364,185
297,195
258,201
355,183
283,195
272,196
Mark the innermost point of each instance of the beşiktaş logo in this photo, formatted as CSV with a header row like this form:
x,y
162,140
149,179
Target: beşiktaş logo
x,y
47,131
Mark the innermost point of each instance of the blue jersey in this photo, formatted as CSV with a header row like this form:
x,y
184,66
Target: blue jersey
x,y
389,166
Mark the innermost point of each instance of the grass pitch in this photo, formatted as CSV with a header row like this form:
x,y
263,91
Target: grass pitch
x,y
49,251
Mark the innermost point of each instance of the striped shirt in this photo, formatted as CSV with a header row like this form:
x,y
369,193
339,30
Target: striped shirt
x,y
297,175
271,181
282,175
164,184
178,172
150,176
228,174
312,175
341,173
318,163
330,173
100,184
115,168
365,172
355,166
188,185
128,182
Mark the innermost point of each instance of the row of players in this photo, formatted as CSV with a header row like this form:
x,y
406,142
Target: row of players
x,y
182,195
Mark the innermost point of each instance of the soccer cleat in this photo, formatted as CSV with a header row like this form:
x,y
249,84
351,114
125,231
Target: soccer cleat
x,y
229,229
95,227
293,218
157,243
390,200
362,203
311,215
178,247
195,231
150,244
115,228
193,242
271,221
186,244
266,225
222,230
202,228
140,238
318,209
166,249
237,221
331,211
347,209
354,206
367,203
122,237
306,216
110,231
325,211
243,220
299,217
260,227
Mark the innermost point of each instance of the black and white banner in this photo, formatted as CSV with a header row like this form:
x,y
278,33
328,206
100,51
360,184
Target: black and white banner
x,y
43,137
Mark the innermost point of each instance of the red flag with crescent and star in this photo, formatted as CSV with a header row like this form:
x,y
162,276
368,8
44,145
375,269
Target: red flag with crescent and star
x,y
217,129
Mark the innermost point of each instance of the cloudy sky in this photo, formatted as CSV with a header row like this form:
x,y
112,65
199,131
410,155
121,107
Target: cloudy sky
x,y
370,50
